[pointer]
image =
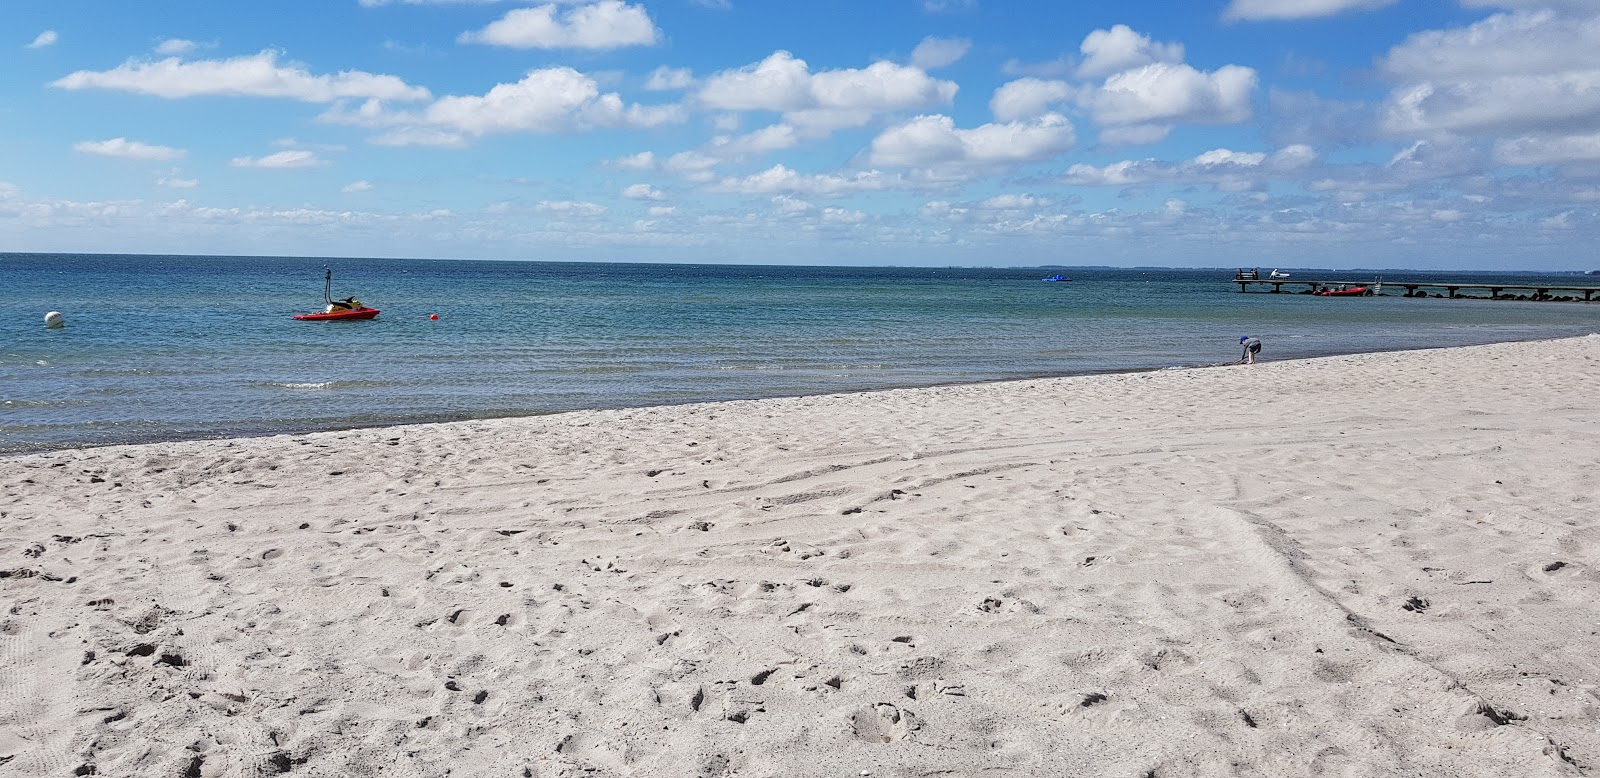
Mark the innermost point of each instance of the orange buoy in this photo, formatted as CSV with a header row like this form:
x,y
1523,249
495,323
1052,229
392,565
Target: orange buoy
x,y
433,317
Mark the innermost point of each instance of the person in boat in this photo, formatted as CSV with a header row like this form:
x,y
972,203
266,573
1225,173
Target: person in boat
x,y
1252,347
347,304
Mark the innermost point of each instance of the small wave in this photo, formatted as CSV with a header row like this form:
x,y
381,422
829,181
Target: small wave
x,y
305,385
349,383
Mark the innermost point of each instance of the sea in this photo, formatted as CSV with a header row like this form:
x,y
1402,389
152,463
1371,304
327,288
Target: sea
x,y
159,348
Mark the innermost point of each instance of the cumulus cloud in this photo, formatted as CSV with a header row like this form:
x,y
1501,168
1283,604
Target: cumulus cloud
x,y
842,216
1549,149
790,205
938,52
356,186
1527,74
127,149
1164,92
1224,169
664,79
174,182
643,192
43,39
176,47
780,179
570,207
1026,98
1013,202
776,137
826,100
546,101
644,160
608,24
1260,10
935,140
419,136
1120,48
282,160
258,75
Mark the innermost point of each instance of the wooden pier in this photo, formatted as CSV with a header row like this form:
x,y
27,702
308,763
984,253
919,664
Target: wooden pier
x,y
1558,292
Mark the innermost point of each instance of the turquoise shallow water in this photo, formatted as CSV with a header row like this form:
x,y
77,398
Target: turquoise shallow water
x,y
163,348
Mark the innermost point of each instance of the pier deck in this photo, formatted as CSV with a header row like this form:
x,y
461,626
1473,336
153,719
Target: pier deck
x,y
1421,288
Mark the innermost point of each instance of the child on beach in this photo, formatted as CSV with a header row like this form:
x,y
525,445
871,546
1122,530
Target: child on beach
x,y
1252,347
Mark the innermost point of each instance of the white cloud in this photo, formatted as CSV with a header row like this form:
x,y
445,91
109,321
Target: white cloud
x,y
1120,48
1164,93
420,136
1527,73
258,75
1549,149
776,137
173,182
938,52
827,100
176,47
642,192
282,160
935,140
790,205
782,179
1258,10
1026,98
842,216
1013,202
1227,157
662,210
1561,221
665,79
127,149
570,207
545,101
356,186
607,24
644,160
692,165
46,38
1224,169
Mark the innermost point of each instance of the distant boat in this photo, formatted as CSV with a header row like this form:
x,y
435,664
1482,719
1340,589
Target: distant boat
x,y
1276,274
337,310
1344,291
1056,277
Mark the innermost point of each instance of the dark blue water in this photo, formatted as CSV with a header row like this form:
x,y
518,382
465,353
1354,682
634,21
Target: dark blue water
x,y
184,347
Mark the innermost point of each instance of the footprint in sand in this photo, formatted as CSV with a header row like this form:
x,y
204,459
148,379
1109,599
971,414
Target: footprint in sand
x,y
882,723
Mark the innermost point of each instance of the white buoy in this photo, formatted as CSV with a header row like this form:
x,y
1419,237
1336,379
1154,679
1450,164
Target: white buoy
x,y
54,320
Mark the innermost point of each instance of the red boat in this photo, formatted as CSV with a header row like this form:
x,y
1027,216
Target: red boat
x,y
349,313
338,310
1344,291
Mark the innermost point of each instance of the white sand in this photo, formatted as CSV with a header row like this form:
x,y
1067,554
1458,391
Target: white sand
x,y
1385,564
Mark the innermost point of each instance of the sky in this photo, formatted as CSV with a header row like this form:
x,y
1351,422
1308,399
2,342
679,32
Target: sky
x,y
1424,134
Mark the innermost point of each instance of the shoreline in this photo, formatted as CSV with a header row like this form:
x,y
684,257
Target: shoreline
x,y
1372,564
251,432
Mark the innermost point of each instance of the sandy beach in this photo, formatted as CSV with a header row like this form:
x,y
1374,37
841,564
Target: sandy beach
x,y
1372,565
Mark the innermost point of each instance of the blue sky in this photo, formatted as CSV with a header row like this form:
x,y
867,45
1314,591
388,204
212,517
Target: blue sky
x,y
1451,134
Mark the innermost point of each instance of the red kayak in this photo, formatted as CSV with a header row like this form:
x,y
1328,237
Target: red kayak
x,y
358,313
1351,291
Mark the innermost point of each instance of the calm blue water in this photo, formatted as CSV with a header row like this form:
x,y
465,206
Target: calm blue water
x,y
187,347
